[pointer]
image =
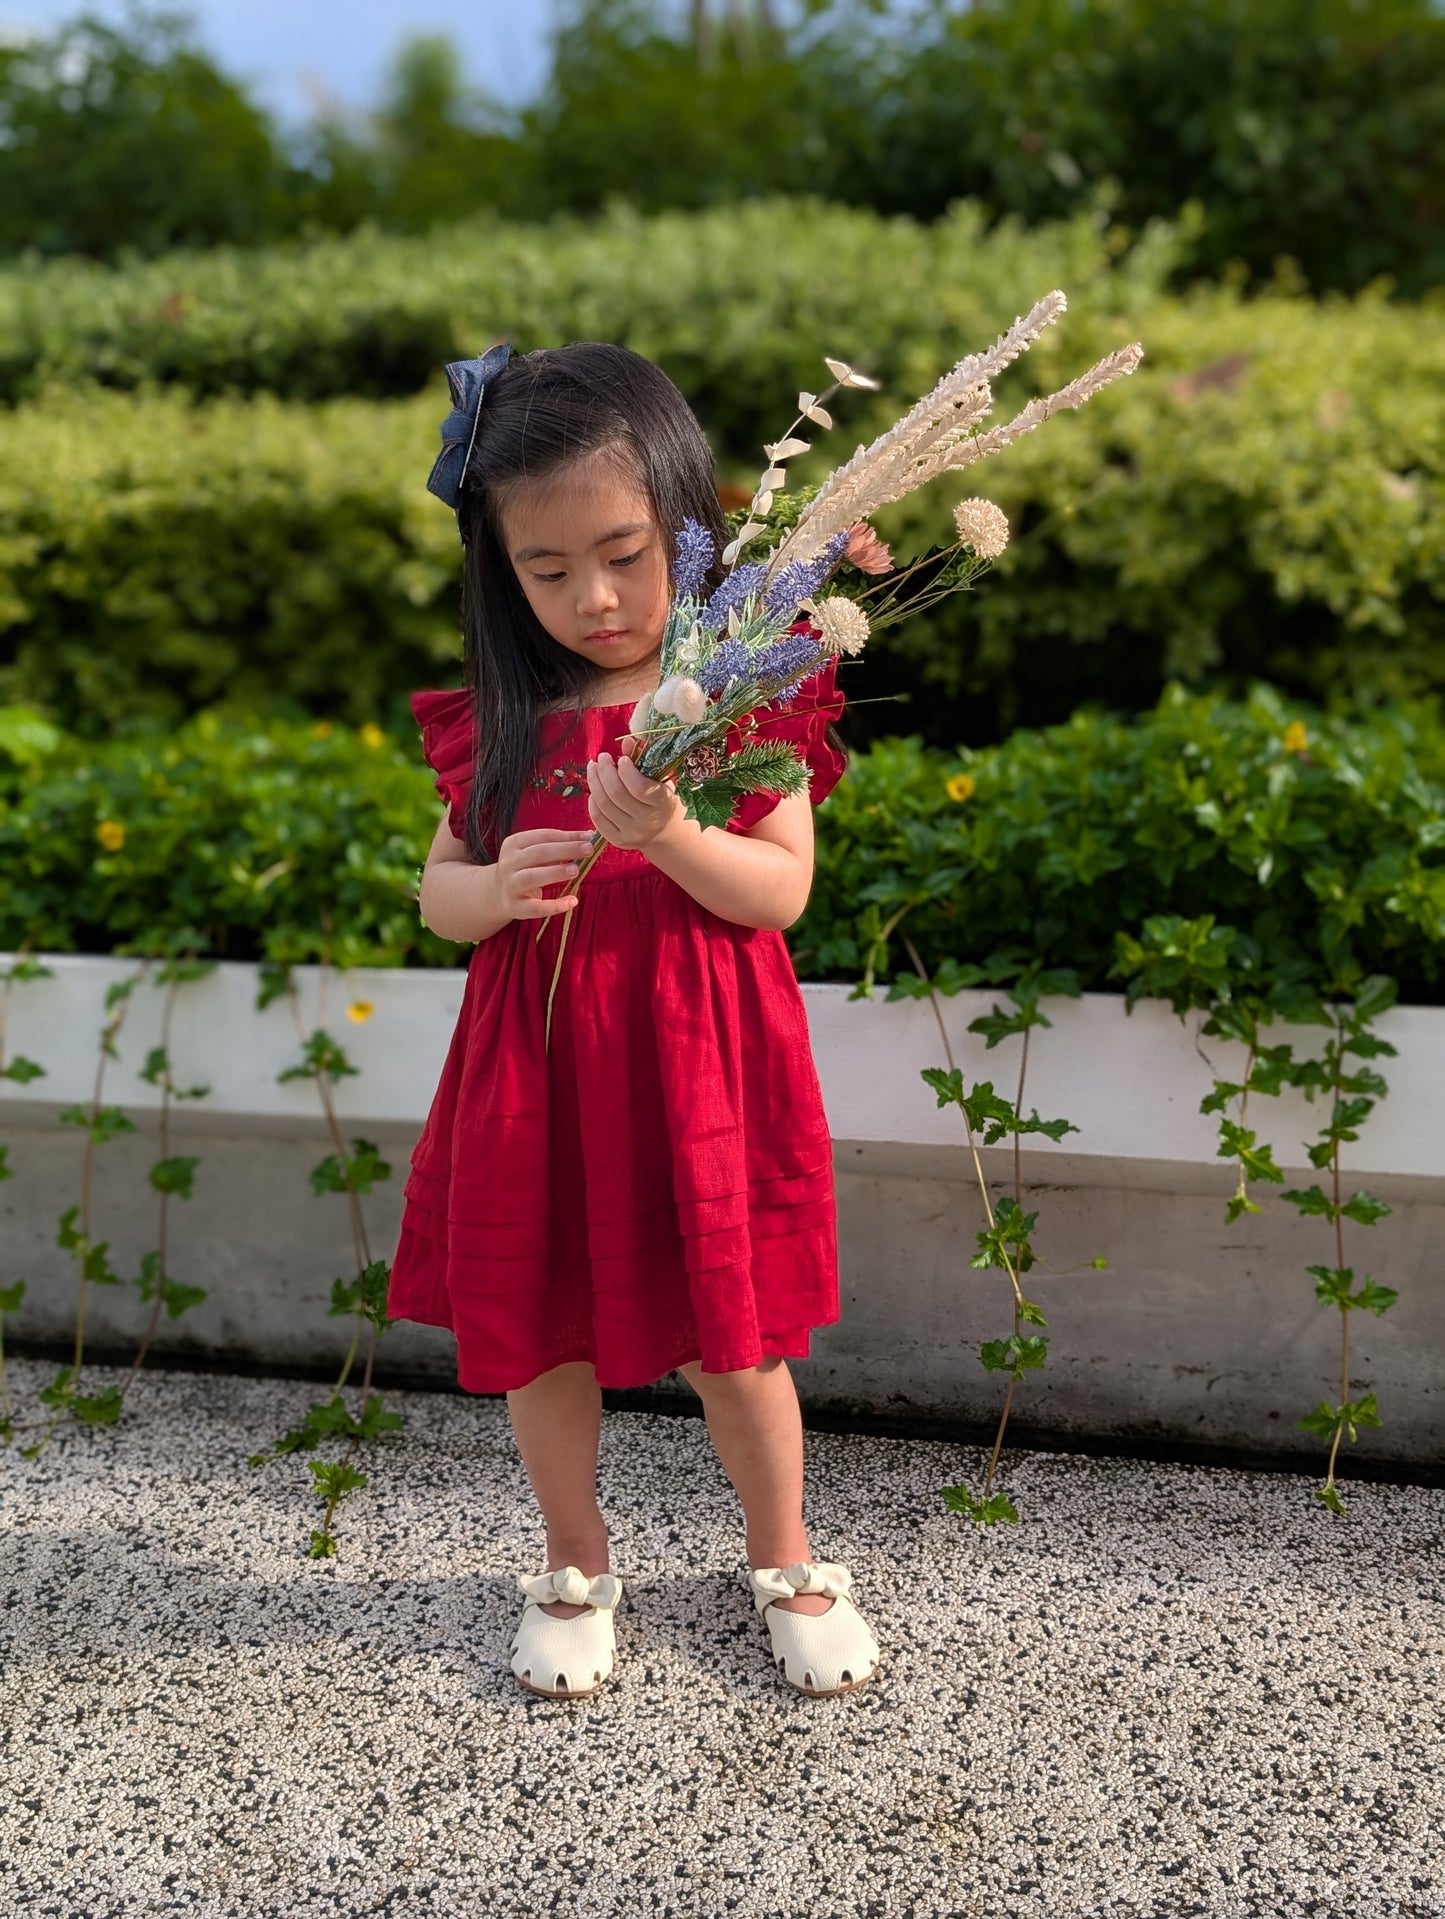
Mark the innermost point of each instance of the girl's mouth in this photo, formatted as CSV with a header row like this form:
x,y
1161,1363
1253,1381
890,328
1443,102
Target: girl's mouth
x,y
601,639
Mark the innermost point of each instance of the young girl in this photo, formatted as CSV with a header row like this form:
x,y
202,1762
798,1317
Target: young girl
x,y
651,1191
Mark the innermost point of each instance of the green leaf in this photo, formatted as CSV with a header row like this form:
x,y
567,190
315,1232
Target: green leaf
x,y
1375,996
97,1268
1017,1354
323,1545
376,1419
1332,1284
23,1070
985,1512
362,1169
60,1390
1375,1299
947,1085
1323,1421
1364,1208
98,1409
1360,1412
106,1124
1311,1202
174,1176
334,1478
10,1296
710,803
998,1025
180,1299
321,1055
1238,1142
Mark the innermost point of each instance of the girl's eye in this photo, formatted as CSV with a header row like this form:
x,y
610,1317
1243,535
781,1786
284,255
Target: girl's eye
x,y
628,558
546,579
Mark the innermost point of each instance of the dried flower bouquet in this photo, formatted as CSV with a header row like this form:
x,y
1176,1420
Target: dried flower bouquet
x,y
764,632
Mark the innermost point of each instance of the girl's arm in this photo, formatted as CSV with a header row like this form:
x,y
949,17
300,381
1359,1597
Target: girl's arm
x,y
460,900
761,878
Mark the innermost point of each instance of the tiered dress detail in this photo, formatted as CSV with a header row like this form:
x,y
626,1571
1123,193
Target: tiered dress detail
x,y
658,1188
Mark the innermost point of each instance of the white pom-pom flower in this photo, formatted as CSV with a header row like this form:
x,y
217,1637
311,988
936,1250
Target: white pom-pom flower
x,y
641,715
843,623
983,526
681,699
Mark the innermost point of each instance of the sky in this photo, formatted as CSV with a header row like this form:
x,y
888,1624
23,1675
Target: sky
x,y
277,46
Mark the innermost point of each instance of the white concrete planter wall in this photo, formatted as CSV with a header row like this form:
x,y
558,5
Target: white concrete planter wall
x,y
1197,1329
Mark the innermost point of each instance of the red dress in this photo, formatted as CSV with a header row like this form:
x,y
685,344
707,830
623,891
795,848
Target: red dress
x,y
658,1188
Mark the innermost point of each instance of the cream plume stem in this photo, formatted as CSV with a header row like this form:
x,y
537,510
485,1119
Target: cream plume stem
x,y
956,403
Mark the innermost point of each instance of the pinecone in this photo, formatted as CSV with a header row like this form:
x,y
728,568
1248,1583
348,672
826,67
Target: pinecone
x,y
701,764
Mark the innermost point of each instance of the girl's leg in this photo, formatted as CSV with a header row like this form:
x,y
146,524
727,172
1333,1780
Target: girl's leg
x,y
558,1423
757,1431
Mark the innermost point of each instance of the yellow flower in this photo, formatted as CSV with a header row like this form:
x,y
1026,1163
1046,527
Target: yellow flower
x,y
1296,739
359,1010
370,734
322,730
961,787
111,835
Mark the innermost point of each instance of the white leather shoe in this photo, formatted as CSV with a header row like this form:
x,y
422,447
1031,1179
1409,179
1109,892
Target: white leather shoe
x,y
821,1655
565,1658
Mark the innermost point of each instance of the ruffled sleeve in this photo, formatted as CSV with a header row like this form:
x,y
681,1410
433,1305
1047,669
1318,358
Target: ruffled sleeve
x,y
449,747
817,704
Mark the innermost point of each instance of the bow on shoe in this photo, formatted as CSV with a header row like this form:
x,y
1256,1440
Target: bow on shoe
x,y
807,1576
468,380
568,1586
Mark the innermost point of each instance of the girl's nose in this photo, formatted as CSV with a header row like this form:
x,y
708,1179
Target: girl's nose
x,y
598,595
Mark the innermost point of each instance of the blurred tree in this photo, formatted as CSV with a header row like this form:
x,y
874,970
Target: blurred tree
x,y
130,137
1313,129
639,107
1308,128
435,149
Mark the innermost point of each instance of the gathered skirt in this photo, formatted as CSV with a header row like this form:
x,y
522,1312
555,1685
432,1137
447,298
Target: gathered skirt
x,y
657,1186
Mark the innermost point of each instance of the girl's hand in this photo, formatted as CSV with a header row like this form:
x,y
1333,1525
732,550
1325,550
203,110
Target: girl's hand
x,y
526,862
626,807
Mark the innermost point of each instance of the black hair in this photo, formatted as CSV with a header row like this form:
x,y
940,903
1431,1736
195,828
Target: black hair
x,y
544,410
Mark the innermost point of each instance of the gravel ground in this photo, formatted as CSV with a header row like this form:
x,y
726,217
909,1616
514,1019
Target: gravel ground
x,y
1170,1690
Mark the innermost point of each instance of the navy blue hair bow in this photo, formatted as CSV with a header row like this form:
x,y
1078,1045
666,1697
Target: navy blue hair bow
x,y
468,380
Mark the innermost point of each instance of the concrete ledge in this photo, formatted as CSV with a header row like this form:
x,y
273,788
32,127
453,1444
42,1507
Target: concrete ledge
x,y
1197,1330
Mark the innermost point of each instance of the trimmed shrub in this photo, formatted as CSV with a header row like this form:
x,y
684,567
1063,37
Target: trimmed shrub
x,y
1262,499
738,304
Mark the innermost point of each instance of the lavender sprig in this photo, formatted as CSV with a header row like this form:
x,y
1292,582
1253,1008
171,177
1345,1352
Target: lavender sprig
x,y
800,580
695,550
733,591
786,658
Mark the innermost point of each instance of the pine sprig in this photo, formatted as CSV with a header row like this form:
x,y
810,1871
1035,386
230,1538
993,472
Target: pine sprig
x,y
762,766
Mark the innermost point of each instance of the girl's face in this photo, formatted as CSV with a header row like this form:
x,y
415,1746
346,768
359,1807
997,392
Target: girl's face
x,y
590,557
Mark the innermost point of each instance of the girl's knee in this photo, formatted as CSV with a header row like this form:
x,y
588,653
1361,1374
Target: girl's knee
x,y
693,1373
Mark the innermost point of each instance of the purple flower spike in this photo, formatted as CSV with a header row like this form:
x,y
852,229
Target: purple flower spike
x,y
801,580
695,551
731,660
733,591
789,655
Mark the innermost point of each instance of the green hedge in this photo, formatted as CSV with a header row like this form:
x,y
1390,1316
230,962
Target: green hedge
x,y
1318,844
737,303
1262,499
